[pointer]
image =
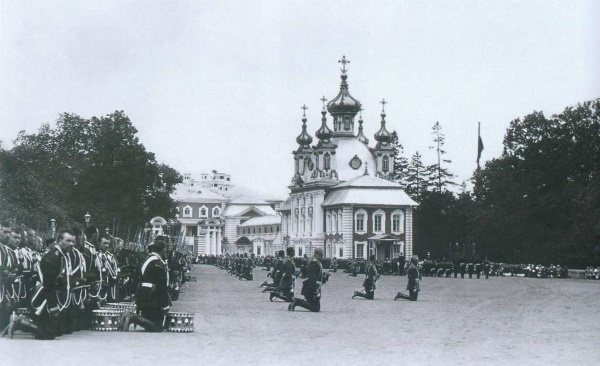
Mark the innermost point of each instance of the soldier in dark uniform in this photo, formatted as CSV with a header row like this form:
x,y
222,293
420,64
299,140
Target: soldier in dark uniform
x,y
371,277
248,266
285,290
478,270
54,268
463,268
311,286
470,269
413,285
152,297
334,265
486,268
275,272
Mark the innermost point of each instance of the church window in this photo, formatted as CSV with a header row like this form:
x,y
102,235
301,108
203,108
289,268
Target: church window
x,y
310,199
379,221
340,222
216,212
328,222
334,223
303,200
310,219
361,216
346,123
360,250
203,211
386,164
187,211
398,222
327,161
309,164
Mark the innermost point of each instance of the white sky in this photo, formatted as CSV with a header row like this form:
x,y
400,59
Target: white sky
x,y
219,84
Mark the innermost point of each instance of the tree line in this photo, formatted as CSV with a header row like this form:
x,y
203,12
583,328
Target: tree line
x,y
78,166
539,202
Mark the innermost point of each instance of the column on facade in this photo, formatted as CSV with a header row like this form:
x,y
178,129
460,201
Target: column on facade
x,y
409,233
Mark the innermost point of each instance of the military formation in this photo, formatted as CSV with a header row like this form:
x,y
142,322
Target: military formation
x,y
52,287
476,269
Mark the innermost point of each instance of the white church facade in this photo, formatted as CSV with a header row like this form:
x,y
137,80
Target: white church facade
x,y
342,197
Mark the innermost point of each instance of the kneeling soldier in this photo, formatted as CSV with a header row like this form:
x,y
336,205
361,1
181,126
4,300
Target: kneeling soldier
x,y
371,277
311,287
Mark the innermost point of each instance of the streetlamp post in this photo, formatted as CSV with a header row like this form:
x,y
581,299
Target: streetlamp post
x,y
53,228
87,217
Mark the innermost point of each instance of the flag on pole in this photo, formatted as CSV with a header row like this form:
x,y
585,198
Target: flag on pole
x,y
479,143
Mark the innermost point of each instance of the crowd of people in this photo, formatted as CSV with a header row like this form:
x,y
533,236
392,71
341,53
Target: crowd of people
x,y
476,269
51,287
592,273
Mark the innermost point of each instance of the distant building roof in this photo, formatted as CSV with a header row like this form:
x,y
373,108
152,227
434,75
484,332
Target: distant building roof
x,y
262,220
234,209
188,193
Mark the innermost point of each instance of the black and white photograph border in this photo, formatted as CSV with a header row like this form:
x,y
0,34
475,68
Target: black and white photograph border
x,y
299,182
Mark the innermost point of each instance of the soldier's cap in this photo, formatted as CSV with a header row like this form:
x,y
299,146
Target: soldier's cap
x,y
158,245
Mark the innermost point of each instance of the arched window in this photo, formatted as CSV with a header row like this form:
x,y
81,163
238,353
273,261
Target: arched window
x,y
340,221
216,211
346,123
187,211
334,219
203,211
398,222
360,224
296,217
309,222
386,164
303,220
303,200
310,199
328,222
379,221
326,161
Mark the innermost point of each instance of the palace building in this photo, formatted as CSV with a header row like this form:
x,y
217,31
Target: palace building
x,y
342,197
217,217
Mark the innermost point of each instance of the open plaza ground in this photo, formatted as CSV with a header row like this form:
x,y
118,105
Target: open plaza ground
x,y
499,321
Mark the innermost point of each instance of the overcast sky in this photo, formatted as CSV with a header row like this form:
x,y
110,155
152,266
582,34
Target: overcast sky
x,y
219,84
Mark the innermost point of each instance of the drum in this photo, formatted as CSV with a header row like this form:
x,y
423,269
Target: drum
x,y
180,322
107,320
120,306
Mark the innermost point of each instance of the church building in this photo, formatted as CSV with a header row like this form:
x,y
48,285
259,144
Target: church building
x,y
342,196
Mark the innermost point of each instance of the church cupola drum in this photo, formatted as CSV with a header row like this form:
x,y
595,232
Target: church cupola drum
x,y
303,155
343,107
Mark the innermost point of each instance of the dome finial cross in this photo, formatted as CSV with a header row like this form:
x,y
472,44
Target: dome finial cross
x,y
304,108
383,103
344,61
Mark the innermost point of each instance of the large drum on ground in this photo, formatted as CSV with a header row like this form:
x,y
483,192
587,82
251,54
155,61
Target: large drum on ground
x,y
107,320
121,306
180,322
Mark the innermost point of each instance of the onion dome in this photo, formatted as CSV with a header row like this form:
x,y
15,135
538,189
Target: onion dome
x,y
361,136
304,139
344,102
324,133
383,136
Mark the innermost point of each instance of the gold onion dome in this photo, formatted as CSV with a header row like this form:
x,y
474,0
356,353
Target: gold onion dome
x,y
383,134
304,139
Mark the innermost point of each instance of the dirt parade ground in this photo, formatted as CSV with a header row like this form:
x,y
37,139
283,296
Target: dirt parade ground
x,y
500,321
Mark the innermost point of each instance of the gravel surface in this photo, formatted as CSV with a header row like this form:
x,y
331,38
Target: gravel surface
x,y
500,321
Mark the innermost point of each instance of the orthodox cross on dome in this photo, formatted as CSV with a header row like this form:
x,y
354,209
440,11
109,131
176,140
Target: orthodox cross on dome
x,y
304,108
344,61
383,103
360,115
323,99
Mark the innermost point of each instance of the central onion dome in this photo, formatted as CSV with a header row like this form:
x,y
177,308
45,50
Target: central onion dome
x,y
304,139
344,102
383,136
